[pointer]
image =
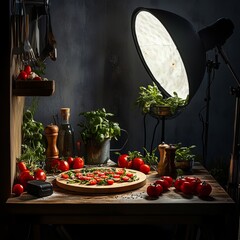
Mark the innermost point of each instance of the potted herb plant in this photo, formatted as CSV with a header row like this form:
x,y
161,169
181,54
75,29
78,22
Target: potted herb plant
x,y
151,100
33,145
184,157
97,128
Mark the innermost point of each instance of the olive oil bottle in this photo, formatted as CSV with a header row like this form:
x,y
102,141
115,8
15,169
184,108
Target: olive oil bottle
x,y
65,141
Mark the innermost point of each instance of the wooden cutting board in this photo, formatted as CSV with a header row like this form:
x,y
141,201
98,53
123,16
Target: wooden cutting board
x,y
103,189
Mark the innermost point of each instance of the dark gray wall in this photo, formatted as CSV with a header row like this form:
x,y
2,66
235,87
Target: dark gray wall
x,y
98,66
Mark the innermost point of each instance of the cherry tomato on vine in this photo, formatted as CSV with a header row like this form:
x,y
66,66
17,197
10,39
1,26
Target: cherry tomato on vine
x,y
123,160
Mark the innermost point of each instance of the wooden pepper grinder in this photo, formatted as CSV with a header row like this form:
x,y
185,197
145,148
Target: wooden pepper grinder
x,y
166,164
162,164
51,132
170,157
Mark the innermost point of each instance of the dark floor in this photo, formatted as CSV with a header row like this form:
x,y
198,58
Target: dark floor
x,y
76,232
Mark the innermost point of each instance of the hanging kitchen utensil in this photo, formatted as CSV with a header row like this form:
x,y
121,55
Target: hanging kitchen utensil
x,y
18,14
52,41
29,57
36,36
50,50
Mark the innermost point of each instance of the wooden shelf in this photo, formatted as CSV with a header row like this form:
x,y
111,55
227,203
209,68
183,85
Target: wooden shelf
x,y
33,88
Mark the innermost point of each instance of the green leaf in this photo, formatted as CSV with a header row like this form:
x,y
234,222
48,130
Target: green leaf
x,y
98,125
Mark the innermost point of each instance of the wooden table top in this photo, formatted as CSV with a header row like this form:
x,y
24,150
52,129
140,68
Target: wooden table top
x,y
138,196
132,207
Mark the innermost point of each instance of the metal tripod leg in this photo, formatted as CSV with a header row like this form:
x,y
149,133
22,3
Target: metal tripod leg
x,y
233,180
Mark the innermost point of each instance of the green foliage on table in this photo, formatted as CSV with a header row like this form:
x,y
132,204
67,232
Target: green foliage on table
x,y
33,145
184,152
98,125
150,157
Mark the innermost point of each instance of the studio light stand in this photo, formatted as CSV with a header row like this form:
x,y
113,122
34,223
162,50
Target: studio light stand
x,y
233,179
211,65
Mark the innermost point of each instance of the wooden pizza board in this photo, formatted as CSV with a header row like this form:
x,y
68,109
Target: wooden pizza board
x,y
100,189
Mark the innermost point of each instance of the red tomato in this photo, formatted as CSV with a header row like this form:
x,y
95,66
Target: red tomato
x,y
37,78
78,162
110,181
120,171
137,162
22,166
55,164
204,189
22,75
186,187
123,160
70,161
178,182
18,189
116,176
129,164
129,174
169,180
24,177
28,69
194,182
92,182
63,166
64,175
163,182
125,178
39,174
154,190
192,178
145,168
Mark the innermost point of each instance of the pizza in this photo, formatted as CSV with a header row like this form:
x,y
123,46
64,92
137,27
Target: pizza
x,y
100,179
99,176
